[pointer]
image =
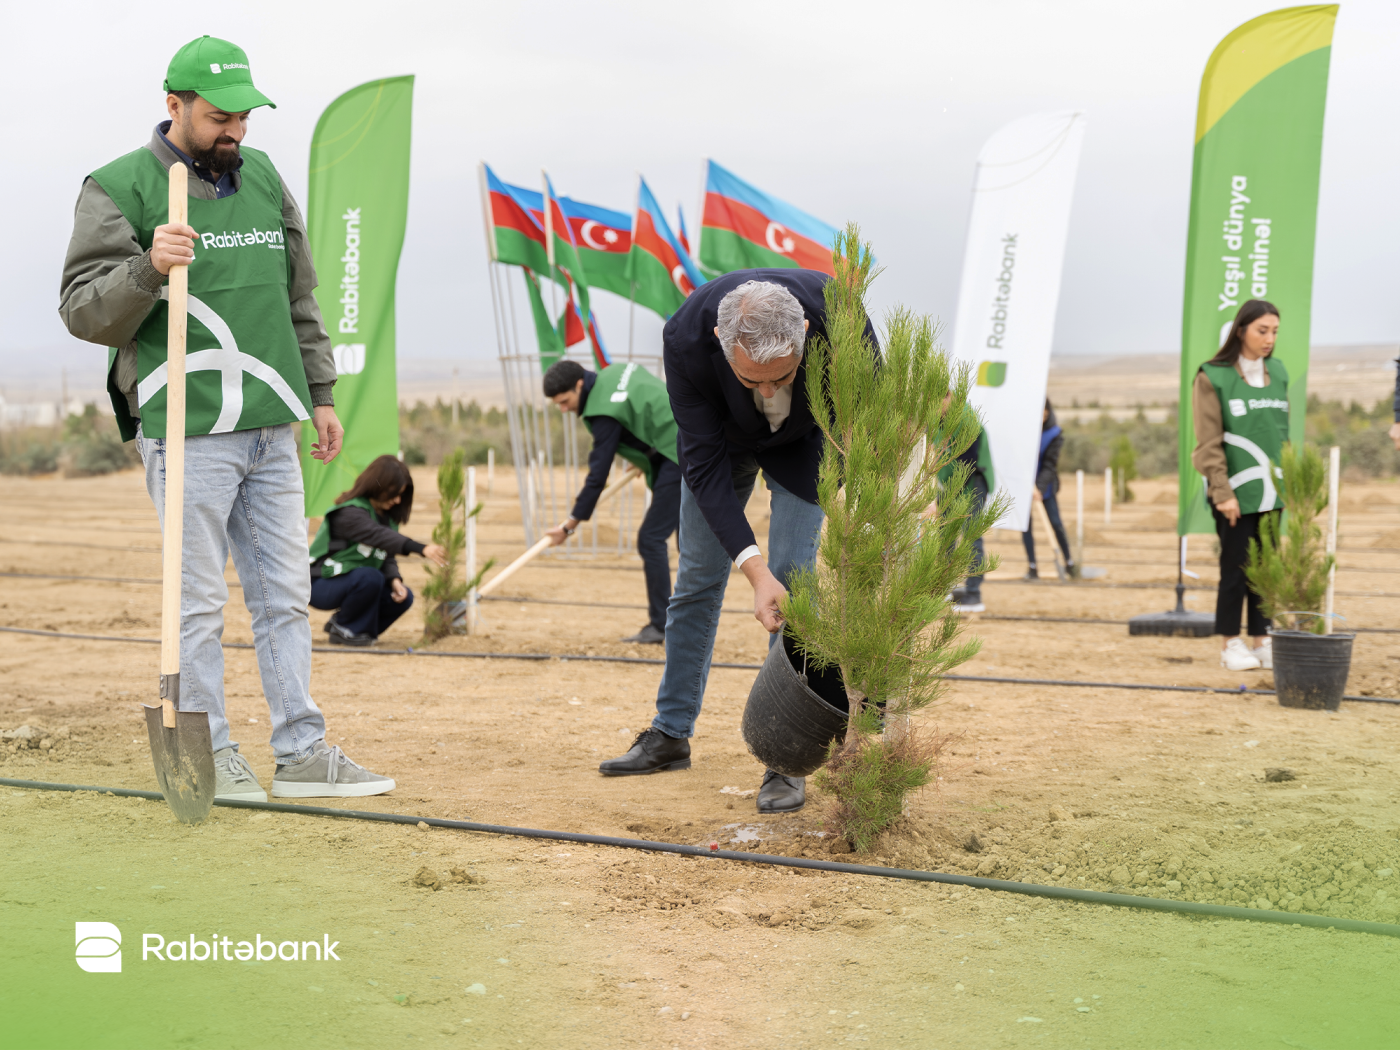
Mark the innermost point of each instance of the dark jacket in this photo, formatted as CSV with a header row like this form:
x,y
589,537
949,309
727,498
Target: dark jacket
x,y
351,525
1047,470
607,434
718,421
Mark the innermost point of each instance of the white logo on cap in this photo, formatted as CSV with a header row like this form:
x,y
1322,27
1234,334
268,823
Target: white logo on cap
x,y
214,67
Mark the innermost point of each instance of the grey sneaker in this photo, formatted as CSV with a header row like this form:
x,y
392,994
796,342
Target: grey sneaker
x,y
233,778
327,773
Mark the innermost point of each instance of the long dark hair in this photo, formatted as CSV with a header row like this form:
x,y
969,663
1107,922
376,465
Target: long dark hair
x,y
1251,311
384,479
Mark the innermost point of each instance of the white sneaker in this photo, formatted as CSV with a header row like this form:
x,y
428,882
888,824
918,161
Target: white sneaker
x,y
233,778
1236,656
1265,655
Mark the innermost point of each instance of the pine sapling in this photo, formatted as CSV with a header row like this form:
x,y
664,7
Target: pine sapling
x,y
1288,567
443,589
895,544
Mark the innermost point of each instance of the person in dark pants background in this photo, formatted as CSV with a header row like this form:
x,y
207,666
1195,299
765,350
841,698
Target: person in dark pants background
x,y
353,565
1047,484
967,598
1239,405
628,412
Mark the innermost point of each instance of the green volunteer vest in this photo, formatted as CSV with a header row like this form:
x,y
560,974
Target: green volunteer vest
x,y
350,558
1256,426
639,401
243,364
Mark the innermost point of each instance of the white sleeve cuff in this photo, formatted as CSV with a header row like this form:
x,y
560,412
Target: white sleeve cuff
x,y
751,551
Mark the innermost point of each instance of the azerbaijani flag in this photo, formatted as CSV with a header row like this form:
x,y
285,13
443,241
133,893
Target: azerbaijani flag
x,y
603,239
663,273
513,233
680,229
546,335
563,254
572,331
600,352
742,228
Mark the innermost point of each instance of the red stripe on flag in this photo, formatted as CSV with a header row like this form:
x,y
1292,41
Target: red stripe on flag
x,y
511,216
748,222
654,244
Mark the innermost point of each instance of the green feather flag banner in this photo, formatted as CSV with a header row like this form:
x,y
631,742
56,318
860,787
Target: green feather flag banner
x,y
357,208
1254,207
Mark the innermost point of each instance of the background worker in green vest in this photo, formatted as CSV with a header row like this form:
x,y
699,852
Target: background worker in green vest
x,y
354,564
628,412
258,360
1240,407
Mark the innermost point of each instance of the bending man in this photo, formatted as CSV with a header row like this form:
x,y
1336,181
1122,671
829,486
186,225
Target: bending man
x,y
626,410
734,371
259,360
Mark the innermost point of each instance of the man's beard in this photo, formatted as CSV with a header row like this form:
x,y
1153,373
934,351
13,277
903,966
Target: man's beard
x,y
212,157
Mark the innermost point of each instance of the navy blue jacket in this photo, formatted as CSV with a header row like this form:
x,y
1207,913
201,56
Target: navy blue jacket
x,y
720,426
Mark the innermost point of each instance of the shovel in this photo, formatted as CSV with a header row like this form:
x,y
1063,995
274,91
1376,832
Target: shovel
x,y
181,748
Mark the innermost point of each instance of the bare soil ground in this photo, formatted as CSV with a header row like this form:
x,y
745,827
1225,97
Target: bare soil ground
x,y
552,945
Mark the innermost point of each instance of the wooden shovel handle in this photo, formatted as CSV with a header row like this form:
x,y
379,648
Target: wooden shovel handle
x,y
173,538
628,476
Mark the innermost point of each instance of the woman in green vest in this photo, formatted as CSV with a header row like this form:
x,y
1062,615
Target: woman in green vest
x,y
1240,409
353,566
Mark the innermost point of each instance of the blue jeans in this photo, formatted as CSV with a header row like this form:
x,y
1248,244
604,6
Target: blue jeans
x,y
692,618
362,599
1057,525
243,496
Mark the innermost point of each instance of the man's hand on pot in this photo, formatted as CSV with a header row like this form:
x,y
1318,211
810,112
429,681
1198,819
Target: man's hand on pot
x,y
768,594
172,245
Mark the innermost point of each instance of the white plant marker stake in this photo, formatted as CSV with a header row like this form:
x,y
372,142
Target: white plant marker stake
x,y
1107,495
1334,469
471,547
490,469
1079,515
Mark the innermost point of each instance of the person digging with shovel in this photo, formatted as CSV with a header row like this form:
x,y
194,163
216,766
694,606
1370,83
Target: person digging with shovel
x,y
259,359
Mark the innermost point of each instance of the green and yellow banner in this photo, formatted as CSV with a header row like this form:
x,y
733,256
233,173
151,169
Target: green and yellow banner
x,y
1254,206
357,208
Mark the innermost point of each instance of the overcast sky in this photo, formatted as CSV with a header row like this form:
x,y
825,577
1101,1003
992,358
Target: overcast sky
x,y
866,111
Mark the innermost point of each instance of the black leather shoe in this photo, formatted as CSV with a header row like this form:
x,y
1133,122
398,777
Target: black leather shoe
x,y
340,636
652,752
648,635
330,622
780,794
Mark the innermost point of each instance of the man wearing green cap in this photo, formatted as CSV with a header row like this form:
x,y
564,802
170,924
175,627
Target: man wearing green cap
x,y
259,360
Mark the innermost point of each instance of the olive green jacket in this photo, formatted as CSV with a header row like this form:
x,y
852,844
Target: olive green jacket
x,y
109,284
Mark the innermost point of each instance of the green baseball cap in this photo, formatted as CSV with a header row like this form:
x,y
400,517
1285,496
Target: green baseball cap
x,y
217,70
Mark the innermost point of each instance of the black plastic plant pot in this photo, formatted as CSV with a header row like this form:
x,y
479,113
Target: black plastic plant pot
x,y
1310,670
792,718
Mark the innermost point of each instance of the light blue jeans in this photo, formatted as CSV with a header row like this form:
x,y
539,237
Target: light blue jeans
x,y
243,495
692,618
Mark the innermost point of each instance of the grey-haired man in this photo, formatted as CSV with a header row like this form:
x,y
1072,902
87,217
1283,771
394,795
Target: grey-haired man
x,y
736,378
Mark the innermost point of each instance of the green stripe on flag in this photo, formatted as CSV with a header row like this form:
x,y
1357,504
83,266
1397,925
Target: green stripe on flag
x,y
723,251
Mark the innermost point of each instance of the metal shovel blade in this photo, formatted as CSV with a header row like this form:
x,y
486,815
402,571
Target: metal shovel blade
x,y
184,760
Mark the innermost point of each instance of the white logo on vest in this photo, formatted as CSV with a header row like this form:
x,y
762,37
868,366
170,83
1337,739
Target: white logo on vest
x,y
227,360
1263,471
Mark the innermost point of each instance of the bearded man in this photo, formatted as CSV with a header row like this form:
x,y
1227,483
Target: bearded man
x,y
259,361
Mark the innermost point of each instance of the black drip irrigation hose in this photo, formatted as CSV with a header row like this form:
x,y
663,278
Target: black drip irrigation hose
x,y
656,662
1031,889
1124,623
987,580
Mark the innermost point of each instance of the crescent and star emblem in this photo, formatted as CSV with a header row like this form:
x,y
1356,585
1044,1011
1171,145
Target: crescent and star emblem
x,y
681,279
609,236
783,246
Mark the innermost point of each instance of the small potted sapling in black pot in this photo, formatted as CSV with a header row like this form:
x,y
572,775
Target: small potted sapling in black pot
x,y
1288,568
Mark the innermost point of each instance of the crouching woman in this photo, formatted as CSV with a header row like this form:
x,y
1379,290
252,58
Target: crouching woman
x,y
354,567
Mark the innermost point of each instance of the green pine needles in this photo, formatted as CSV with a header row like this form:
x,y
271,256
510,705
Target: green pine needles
x,y
444,590
1288,567
896,541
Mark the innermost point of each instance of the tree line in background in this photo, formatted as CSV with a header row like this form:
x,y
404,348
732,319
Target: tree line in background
x,y
88,444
